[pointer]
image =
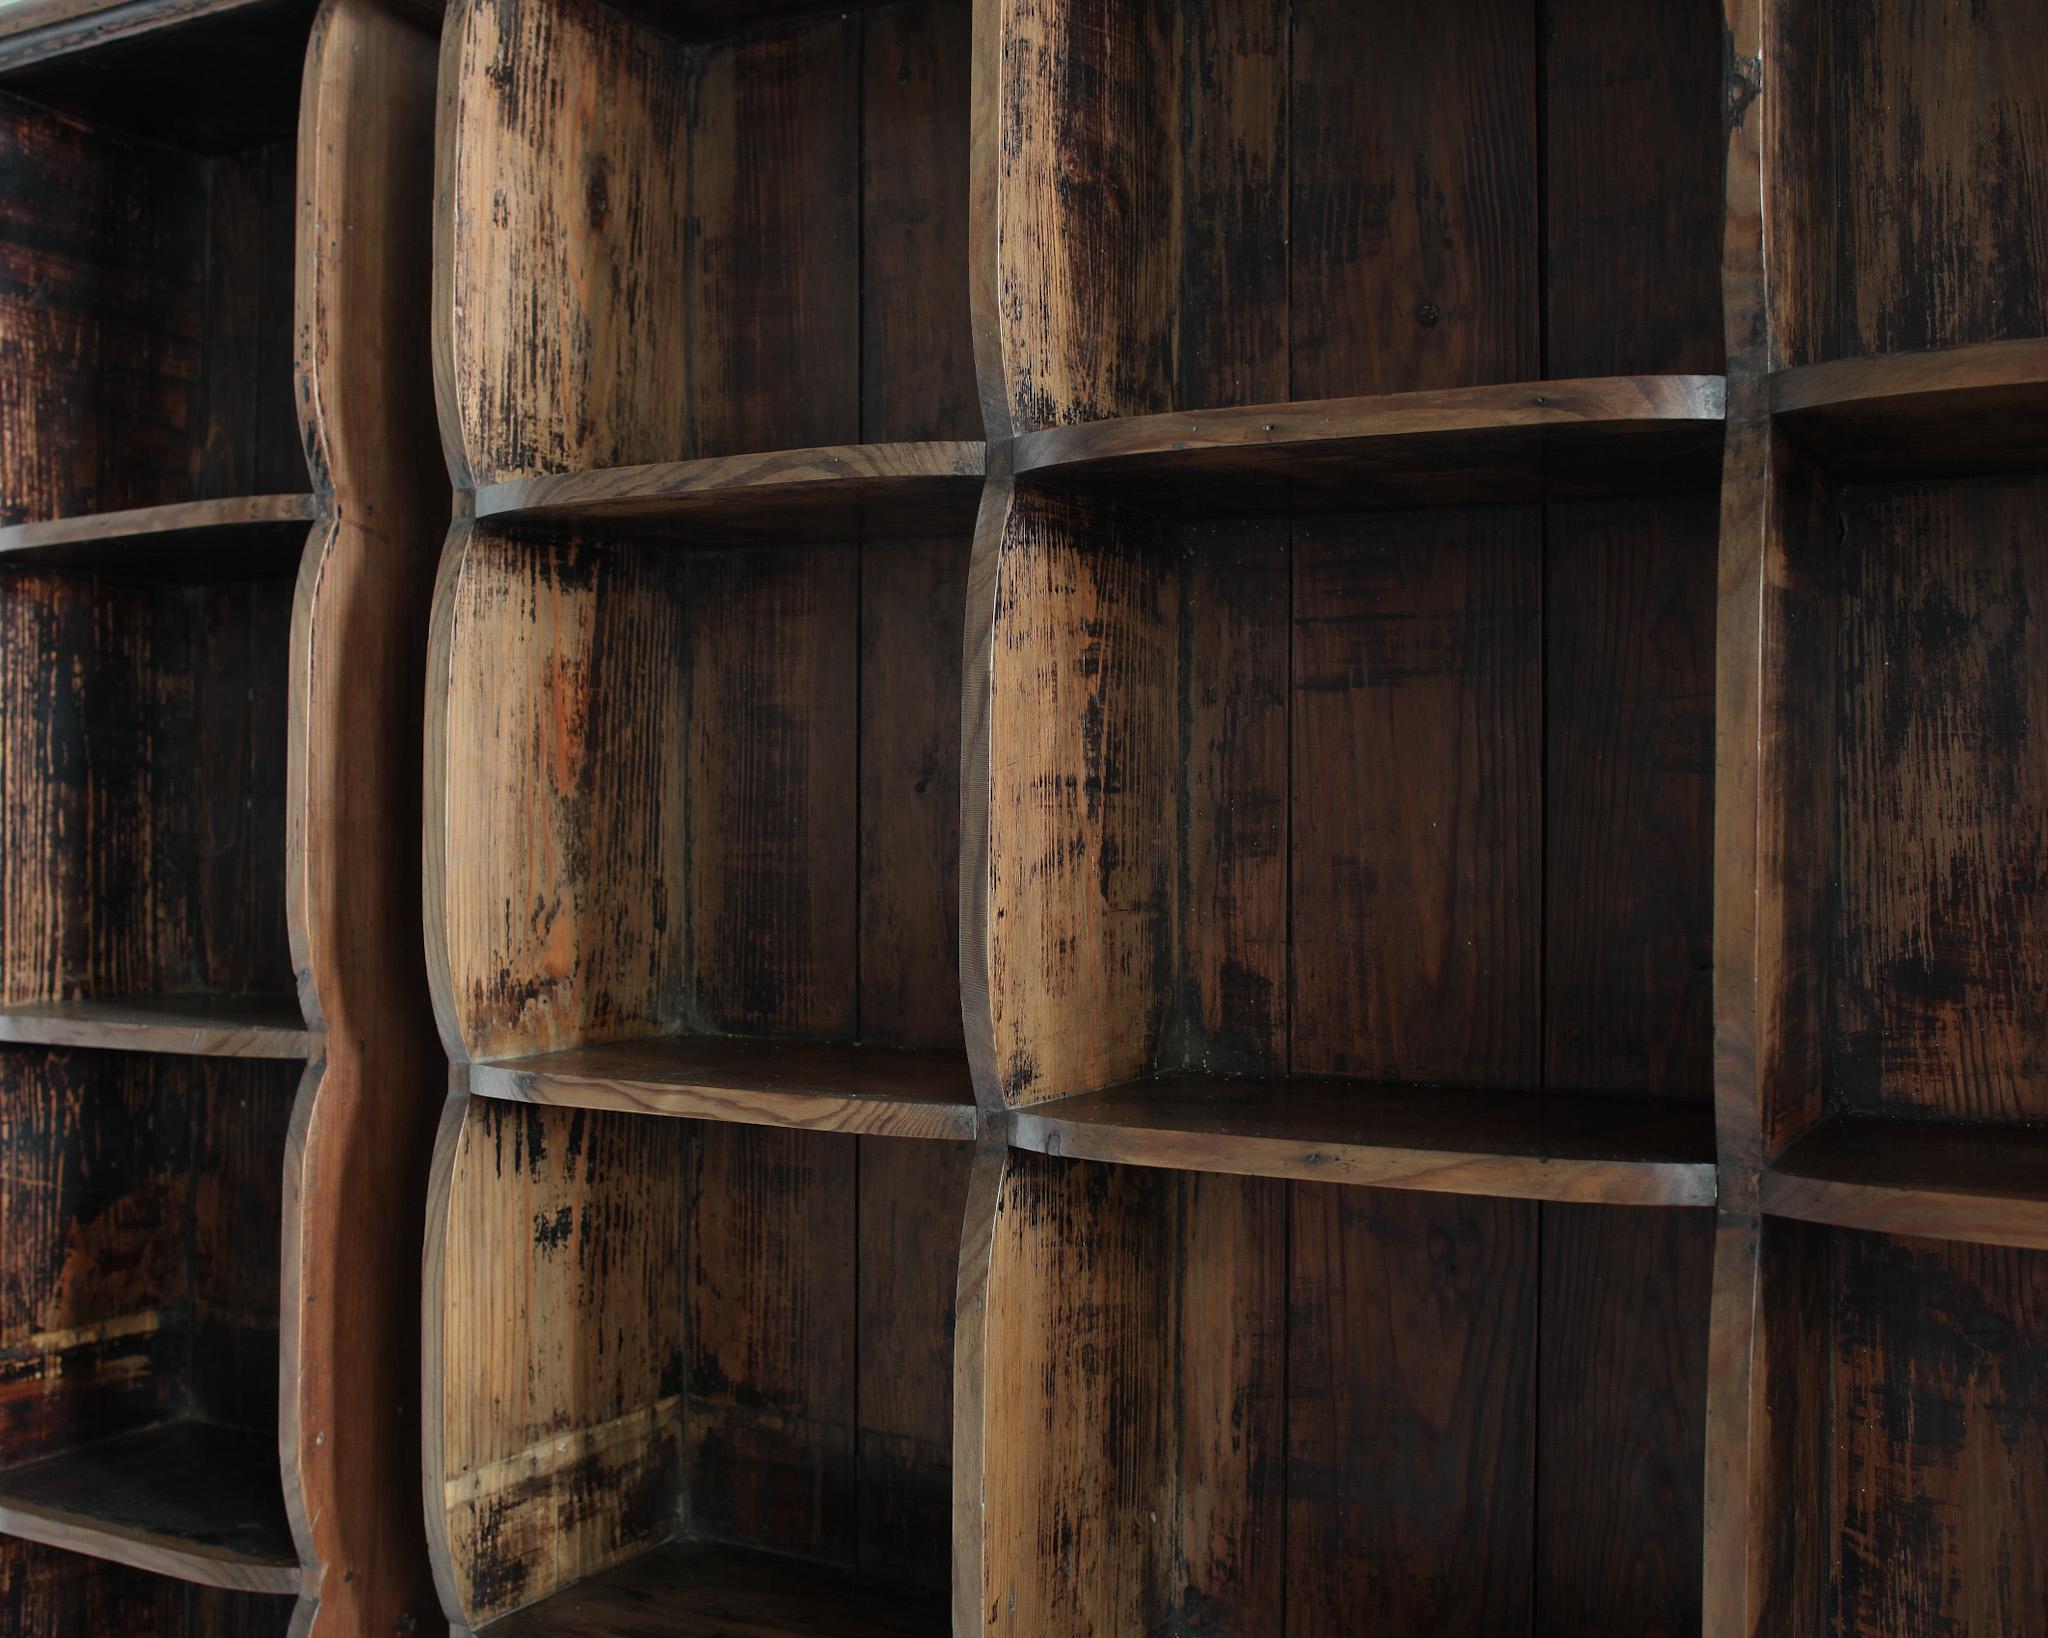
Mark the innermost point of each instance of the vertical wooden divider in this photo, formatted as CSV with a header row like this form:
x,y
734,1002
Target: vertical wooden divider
x,y
361,1132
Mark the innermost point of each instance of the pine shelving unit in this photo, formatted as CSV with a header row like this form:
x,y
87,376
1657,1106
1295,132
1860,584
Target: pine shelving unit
x,y
211,619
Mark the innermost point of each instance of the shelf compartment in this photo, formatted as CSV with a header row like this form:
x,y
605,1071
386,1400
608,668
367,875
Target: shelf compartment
x,y
1463,446
248,537
1905,766
1969,410
1524,1146
723,1332
1934,1179
704,1590
1233,238
1336,1409
763,246
1902,1413
182,1499
785,498
241,1026
886,1092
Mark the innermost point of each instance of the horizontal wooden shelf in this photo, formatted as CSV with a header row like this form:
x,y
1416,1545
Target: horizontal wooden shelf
x,y
1959,411
1528,441
205,1026
690,1590
788,496
184,1499
1515,1145
882,1091
244,537
1944,1180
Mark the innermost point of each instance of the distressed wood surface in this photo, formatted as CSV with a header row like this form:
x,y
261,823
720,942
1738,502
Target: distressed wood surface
x,y
1522,1146
133,1500
777,499
1949,411
1460,446
212,1026
221,539
889,1093
350,1422
1938,1180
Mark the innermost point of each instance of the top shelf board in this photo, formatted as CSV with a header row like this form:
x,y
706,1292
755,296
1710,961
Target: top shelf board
x,y
245,537
1555,440
1510,1145
1955,412
784,498
1947,1180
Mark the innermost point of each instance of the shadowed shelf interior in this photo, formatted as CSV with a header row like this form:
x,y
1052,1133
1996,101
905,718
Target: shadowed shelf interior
x,y
209,737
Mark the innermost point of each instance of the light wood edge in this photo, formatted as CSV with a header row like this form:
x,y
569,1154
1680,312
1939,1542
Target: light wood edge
x,y
984,179
176,517
433,1383
1366,1165
791,1111
1734,1417
972,1444
1981,1217
448,134
442,637
977,1014
1599,402
1931,374
33,31
185,1040
823,468
205,1566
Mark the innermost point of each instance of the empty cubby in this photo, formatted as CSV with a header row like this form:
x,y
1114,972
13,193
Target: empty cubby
x,y
679,233
141,1201
1220,1405
689,1377
148,248
1207,203
1904,1423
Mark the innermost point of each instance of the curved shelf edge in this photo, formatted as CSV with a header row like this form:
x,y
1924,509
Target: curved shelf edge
x,y
1524,439
877,1092
192,1026
131,1500
1931,1180
243,532
1506,1145
1970,410
803,494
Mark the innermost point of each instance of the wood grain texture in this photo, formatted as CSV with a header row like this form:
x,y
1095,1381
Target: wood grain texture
x,y
1939,1461
350,1337
1969,410
130,1500
1412,1383
1081,778
1945,1180
240,538
1629,797
890,1093
212,1026
1114,1510
556,1371
1939,825
1458,446
1513,1145
1621,1395
784,498
1416,928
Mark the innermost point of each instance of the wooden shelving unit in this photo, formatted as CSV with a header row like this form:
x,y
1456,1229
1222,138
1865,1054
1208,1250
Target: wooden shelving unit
x,y
215,1053
1883,1130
